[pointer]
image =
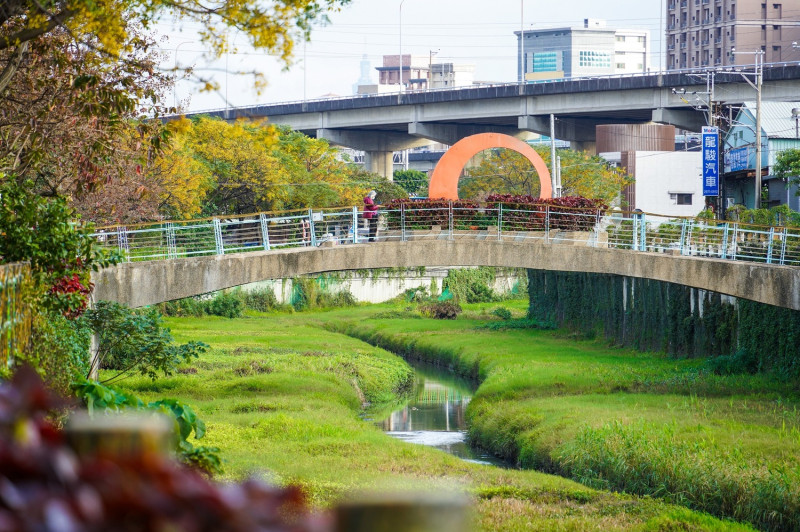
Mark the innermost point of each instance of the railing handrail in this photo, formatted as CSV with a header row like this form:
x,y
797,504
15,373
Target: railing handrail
x,y
518,221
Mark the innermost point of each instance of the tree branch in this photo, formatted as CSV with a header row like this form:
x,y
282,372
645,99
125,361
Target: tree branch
x,y
29,34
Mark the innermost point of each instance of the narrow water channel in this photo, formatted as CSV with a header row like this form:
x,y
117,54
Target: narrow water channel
x,y
435,415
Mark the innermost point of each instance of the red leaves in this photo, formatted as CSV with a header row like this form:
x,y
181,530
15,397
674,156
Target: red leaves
x,y
76,293
45,486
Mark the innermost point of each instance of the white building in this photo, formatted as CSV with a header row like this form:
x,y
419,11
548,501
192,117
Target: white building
x,y
666,182
592,50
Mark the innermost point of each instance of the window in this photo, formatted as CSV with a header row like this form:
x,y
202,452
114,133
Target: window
x,y
620,66
546,61
680,198
593,59
620,38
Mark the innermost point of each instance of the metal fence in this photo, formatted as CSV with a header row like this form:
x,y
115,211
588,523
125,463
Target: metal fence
x,y
637,231
15,311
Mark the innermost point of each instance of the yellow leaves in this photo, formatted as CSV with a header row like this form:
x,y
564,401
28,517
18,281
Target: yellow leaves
x,y
248,167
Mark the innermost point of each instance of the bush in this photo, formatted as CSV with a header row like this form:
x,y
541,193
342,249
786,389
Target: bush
x,y
226,305
502,313
740,363
59,349
471,285
307,294
135,340
441,310
261,300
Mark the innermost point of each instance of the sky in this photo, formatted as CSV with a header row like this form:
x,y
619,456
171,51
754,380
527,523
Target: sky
x,y
474,32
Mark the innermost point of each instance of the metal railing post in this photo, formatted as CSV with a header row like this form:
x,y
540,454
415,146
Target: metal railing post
x,y
724,251
172,252
311,227
499,221
735,240
403,222
220,246
264,230
122,243
784,238
769,245
683,236
635,233
450,219
642,232
547,223
355,225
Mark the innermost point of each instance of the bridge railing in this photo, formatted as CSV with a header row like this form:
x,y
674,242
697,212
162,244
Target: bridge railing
x,y
638,231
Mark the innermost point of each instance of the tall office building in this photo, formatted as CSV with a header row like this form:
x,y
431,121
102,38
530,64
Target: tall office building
x,y
592,50
703,33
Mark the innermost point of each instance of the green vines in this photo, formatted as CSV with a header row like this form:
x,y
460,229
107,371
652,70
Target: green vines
x,y
657,316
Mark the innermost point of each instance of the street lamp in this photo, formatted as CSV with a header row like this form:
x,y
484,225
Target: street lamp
x,y
174,69
400,57
759,75
431,53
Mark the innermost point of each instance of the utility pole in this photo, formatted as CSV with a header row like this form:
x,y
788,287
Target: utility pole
x,y
759,75
553,165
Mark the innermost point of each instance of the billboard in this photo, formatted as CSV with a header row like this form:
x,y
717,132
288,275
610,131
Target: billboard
x,y
737,159
710,161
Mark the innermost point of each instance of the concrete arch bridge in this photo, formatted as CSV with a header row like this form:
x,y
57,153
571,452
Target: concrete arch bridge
x,y
172,260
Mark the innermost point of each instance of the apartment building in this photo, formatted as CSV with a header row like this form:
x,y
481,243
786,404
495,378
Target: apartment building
x,y
707,33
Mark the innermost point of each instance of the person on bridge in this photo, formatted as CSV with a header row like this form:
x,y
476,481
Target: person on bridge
x,y
371,214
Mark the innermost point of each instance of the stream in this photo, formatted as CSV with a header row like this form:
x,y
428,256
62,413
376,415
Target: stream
x,y
435,414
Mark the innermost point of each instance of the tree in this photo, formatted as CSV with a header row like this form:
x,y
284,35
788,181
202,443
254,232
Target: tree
x,y
787,165
244,167
413,181
72,120
103,26
505,171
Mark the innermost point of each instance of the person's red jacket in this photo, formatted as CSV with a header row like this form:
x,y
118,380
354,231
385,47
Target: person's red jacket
x,y
369,208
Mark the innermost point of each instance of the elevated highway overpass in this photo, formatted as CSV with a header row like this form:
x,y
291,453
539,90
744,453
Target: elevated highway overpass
x,y
383,124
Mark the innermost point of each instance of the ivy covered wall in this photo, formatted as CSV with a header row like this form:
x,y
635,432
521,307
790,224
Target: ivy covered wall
x,y
658,316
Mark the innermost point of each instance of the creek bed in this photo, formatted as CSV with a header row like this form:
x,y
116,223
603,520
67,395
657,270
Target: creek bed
x,y
435,414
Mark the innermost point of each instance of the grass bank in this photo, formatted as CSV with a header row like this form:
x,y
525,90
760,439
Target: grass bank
x,y
612,418
282,397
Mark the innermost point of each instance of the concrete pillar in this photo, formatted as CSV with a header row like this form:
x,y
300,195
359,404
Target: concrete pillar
x,y
589,147
380,162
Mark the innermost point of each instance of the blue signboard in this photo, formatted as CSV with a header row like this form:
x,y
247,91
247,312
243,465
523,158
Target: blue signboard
x,y
710,161
737,159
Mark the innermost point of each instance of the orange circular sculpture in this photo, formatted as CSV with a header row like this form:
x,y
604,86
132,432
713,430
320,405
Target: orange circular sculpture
x,y
444,181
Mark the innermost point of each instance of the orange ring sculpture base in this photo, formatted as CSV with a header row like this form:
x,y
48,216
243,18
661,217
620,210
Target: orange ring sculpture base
x,y
444,181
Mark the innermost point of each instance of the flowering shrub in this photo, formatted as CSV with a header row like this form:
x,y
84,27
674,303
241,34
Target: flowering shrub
x,y
520,213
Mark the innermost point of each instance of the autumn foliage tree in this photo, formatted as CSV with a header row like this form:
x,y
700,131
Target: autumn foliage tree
x,y
216,167
505,171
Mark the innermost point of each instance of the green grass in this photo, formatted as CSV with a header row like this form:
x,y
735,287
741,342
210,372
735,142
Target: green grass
x,y
282,398
614,418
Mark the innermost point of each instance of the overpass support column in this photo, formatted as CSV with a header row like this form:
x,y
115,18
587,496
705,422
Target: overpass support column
x,y
380,162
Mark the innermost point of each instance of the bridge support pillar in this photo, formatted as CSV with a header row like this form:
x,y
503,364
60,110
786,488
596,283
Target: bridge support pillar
x,y
380,162
377,145
588,146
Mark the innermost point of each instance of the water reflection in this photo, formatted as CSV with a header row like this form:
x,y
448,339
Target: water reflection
x,y
435,415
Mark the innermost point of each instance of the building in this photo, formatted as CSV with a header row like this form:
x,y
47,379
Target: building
x,y
419,73
703,33
592,50
415,71
780,130
665,181
447,75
